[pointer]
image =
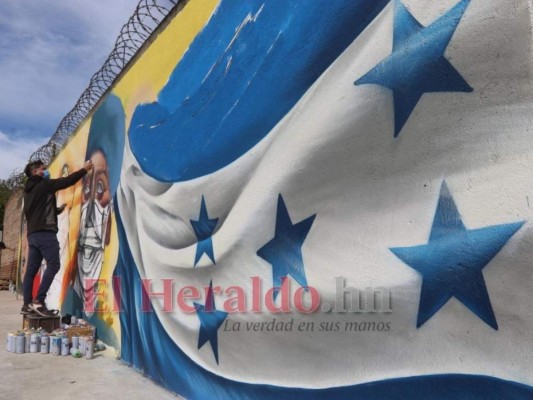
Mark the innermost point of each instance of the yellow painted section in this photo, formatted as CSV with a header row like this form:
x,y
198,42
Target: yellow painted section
x,y
151,71
140,84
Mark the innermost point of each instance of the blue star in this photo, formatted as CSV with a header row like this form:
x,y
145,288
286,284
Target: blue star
x,y
284,251
204,228
451,263
210,320
417,64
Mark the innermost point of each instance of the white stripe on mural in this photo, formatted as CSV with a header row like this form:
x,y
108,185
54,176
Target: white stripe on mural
x,y
334,155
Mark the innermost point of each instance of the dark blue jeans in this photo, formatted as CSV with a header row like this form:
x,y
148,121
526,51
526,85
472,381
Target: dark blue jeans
x,y
41,245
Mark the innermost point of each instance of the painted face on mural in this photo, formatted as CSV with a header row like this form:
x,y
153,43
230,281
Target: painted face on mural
x,y
96,182
95,214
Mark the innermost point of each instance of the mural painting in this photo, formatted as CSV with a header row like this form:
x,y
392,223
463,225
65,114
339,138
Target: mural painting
x,y
306,200
85,224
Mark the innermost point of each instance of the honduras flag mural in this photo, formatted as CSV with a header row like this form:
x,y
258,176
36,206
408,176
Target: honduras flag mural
x,y
334,200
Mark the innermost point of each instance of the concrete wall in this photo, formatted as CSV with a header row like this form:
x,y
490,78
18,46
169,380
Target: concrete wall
x,y
264,165
12,237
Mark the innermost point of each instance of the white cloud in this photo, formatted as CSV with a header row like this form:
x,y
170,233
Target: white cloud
x,y
48,52
15,152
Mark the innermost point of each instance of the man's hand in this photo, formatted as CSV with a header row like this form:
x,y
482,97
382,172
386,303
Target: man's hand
x,y
88,165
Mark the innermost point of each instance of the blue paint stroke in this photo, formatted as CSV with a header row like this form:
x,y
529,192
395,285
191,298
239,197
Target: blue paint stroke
x,y
241,75
204,228
417,64
284,250
146,346
451,263
107,134
210,321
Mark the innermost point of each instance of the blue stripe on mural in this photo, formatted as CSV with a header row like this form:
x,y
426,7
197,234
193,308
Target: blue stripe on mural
x,y
146,346
246,69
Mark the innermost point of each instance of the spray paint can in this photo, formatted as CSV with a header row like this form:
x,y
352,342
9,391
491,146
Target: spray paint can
x,y
75,342
65,346
11,342
20,343
82,344
55,345
27,341
89,349
35,342
75,353
45,344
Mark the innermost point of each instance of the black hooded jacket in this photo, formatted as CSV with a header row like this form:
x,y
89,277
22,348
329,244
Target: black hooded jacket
x,y
40,200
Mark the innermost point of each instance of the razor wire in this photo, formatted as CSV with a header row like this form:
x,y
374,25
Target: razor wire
x,y
146,18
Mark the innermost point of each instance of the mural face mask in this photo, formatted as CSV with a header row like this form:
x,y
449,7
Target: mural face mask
x,y
91,243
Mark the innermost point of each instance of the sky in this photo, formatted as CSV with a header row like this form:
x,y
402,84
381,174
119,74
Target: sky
x,y
49,50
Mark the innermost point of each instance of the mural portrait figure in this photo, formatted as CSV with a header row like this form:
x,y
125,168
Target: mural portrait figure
x,y
105,146
65,201
94,225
